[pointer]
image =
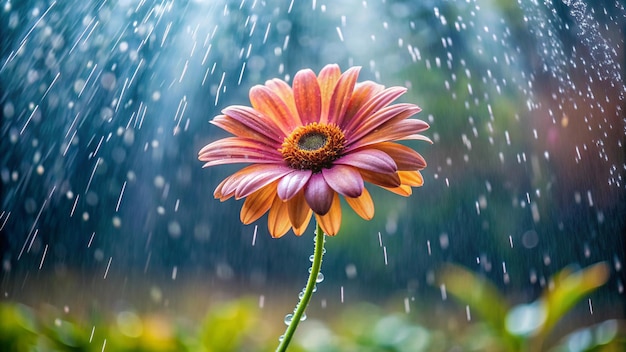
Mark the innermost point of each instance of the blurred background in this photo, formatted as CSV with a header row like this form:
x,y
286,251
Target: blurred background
x,y
105,209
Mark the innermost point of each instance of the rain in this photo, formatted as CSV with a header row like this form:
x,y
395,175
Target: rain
x,y
110,235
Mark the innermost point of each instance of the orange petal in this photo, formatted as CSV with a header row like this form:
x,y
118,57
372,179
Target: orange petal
x,y
380,179
331,221
278,219
307,96
363,205
411,178
341,95
327,80
299,211
300,230
403,190
257,204
284,91
272,106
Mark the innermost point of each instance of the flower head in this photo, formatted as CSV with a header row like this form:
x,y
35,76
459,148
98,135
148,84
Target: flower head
x,y
312,142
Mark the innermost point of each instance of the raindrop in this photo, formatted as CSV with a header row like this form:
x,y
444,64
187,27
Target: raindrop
x,y
288,319
320,278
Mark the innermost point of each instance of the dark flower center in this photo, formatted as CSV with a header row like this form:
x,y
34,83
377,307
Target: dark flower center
x,y
313,147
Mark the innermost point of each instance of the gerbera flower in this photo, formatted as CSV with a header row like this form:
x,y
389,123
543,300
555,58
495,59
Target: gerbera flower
x,y
310,143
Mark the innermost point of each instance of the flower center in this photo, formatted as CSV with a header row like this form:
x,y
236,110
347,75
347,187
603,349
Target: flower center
x,y
313,147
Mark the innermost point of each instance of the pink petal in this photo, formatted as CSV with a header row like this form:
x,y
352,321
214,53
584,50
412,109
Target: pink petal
x,y
375,122
238,129
308,96
238,150
406,158
292,183
363,93
255,179
342,93
274,108
405,129
256,121
371,106
418,137
318,194
369,159
345,180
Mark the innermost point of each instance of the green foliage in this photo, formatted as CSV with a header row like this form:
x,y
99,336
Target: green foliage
x,y
236,325
527,327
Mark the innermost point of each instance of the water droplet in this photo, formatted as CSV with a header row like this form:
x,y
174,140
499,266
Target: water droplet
x,y
311,258
303,317
288,319
320,278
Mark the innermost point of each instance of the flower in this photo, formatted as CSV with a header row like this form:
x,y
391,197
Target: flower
x,y
307,144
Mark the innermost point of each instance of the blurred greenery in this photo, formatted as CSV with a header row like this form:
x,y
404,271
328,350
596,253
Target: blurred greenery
x,y
236,325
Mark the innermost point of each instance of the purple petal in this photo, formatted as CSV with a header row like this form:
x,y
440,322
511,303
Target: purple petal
x,y
292,183
345,180
369,159
318,194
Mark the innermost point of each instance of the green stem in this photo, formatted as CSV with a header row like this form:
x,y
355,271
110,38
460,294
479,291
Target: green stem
x,y
308,290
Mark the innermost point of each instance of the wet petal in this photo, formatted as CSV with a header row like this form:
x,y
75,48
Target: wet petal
x,y
256,121
411,178
362,205
327,80
369,159
257,204
253,178
219,193
238,150
284,91
272,106
300,230
308,96
229,186
238,129
345,180
391,132
341,95
383,180
331,221
405,157
379,120
278,219
293,183
318,194
363,93
371,106
403,190
299,212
